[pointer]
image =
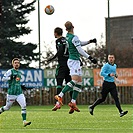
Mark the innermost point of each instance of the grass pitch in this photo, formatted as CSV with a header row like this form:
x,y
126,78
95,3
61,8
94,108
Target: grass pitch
x,y
105,120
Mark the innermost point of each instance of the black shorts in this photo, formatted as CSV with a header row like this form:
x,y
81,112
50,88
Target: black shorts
x,y
62,72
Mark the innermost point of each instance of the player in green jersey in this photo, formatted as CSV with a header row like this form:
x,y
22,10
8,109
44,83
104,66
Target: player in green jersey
x,y
14,92
75,50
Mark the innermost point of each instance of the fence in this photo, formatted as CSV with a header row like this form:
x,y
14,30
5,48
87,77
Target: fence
x,y
45,96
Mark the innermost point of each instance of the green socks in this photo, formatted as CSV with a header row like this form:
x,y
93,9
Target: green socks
x,y
24,116
68,87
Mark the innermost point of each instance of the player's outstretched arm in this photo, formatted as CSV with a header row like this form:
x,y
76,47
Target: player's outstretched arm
x,y
23,87
83,53
59,53
50,59
93,40
77,44
7,76
83,43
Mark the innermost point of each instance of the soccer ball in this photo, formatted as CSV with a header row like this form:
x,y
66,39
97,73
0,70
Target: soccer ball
x,y
49,10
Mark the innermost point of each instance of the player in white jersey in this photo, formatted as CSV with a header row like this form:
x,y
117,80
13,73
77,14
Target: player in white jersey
x,y
75,50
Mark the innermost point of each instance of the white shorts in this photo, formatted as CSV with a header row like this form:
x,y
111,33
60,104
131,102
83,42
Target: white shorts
x,y
19,98
74,66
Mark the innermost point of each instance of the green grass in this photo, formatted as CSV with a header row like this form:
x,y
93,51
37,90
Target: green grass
x,y
105,120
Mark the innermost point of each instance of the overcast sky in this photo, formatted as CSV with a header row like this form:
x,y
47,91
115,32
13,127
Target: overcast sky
x,y
87,16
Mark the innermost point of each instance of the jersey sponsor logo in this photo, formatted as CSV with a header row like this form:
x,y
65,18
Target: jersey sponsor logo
x,y
17,78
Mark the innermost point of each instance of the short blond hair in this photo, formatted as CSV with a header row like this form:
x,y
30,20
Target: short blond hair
x,y
15,60
69,25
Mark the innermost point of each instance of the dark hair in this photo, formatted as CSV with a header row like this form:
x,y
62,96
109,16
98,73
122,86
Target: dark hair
x,y
59,31
111,54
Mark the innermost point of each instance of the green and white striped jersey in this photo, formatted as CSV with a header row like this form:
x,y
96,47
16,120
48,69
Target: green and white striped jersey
x,y
73,42
14,84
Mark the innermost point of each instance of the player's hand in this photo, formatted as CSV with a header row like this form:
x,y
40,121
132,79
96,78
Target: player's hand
x,y
93,40
113,75
93,60
116,75
23,87
13,77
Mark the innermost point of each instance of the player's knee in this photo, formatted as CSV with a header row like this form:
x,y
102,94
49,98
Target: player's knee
x,y
116,99
23,106
72,83
59,90
76,78
6,108
79,83
23,111
75,81
78,86
102,99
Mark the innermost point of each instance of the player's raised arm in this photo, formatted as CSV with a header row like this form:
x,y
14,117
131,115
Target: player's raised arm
x,y
77,44
83,43
7,76
59,53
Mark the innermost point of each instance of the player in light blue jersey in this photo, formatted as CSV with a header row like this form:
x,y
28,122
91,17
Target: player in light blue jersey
x,y
108,72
